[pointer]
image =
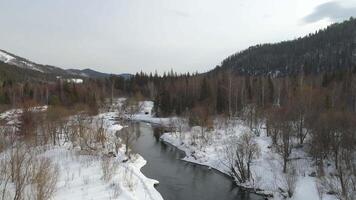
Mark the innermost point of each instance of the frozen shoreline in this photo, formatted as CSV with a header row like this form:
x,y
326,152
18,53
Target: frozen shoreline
x,y
80,174
267,169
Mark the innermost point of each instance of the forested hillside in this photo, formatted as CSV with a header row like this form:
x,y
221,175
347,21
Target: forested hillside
x,y
14,73
324,51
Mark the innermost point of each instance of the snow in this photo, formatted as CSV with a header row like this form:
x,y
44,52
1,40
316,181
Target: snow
x,y
306,189
74,80
81,173
11,116
4,57
81,178
267,169
146,115
71,80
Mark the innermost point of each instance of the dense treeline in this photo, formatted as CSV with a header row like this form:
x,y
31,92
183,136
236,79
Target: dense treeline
x,y
226,92
325,50
314,112
62,92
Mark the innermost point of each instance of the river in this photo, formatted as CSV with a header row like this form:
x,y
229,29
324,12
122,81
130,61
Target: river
x,y
180,180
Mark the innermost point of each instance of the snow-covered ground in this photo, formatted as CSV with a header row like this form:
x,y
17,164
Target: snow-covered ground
x,y
146,115
81,174
81,178
266,169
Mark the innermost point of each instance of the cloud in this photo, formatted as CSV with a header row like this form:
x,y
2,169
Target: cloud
x,y
333,11
180,13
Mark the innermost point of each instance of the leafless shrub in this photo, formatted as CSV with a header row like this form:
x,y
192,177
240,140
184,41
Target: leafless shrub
x,y
86,180
341,183
320,190
29,177
20,170
116,190
44,178
108,167
100,135
342,190
128,178
332,186
27,119
5,178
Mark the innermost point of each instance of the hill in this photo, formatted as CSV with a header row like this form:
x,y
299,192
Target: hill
x,y
324,51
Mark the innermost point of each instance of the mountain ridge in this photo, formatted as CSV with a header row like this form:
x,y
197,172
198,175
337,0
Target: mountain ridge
x,y
46,72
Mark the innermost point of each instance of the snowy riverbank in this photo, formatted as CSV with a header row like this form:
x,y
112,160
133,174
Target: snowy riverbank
x,y
268,177
127,183
266,170
81,173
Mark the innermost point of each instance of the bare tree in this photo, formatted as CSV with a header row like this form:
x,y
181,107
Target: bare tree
x,y
129,108
284,148
281,130
202,118
128,135
240,153
126,113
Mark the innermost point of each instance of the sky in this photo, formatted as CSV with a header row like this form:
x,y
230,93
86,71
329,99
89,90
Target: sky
x,y
128,36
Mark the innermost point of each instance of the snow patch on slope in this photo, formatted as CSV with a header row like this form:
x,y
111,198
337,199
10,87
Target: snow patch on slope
x,y
4,57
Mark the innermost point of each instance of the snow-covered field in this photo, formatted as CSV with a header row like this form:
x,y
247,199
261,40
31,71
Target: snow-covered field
x,y
81,174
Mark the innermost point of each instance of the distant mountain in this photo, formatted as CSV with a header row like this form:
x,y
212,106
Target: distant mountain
x,y
18,68
324,51
95,74
88,73
23,63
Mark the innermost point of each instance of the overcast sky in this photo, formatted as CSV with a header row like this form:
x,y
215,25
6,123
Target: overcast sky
x,y
119,36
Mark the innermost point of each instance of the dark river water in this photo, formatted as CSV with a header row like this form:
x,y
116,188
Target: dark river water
x,y
179,179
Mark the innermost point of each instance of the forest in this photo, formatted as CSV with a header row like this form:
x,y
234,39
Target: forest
x,y
313,112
